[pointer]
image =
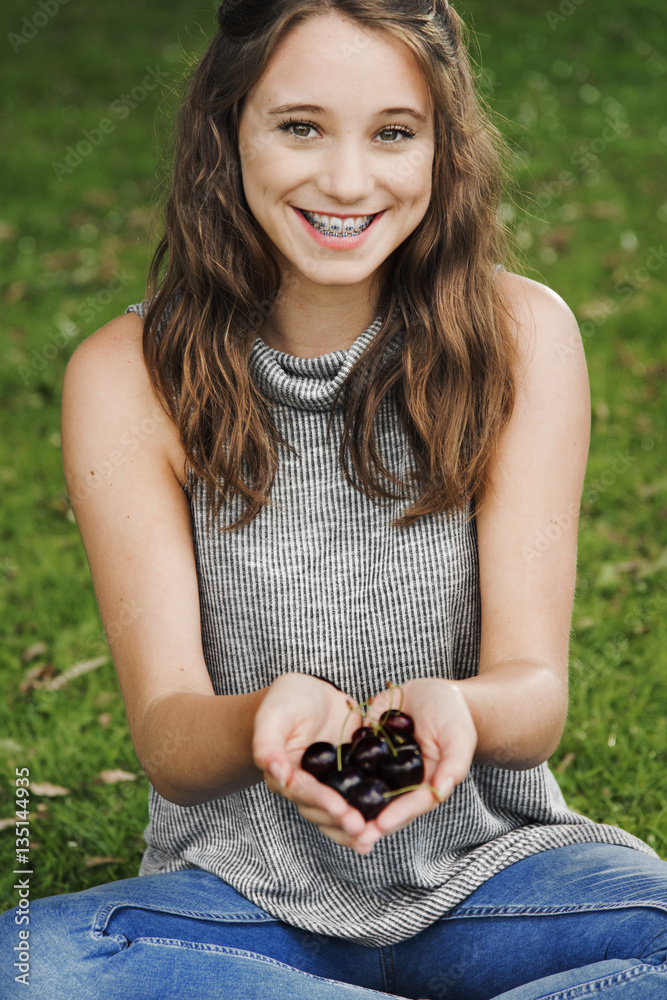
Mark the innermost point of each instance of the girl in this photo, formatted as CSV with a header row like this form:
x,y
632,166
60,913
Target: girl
x,y
328,289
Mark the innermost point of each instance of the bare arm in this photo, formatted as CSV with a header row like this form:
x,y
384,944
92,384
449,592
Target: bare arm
x,y
124,469
527,535
512,713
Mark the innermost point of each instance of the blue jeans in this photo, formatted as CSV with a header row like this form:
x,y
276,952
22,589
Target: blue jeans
x,y
565,923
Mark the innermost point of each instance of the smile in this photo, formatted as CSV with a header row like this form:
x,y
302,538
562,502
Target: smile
x,y
336,225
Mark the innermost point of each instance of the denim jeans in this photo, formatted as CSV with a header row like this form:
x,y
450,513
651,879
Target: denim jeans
x,y
566,923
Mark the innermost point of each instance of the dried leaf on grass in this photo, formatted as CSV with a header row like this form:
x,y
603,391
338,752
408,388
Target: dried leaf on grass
x,y
115,775
94,862
79,668
7,231
33,651
6,822
611,573
565,763
37,677
559,237
16,291
46,788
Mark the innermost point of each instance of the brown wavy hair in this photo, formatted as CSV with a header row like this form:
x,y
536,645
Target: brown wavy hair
x,y
213,280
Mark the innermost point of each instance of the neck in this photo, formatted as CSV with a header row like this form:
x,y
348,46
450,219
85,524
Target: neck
x,y
308,326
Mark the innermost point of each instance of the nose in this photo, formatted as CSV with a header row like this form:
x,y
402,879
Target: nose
x,y
346,174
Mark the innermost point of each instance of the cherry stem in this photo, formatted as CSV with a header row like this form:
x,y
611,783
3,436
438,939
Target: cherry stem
x,y
389,736
413,788
339,754
392,686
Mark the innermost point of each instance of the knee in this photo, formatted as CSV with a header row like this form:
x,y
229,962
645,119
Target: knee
x,y
640,933
49,946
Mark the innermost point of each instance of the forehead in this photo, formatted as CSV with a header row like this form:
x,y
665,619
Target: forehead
x,y
328,59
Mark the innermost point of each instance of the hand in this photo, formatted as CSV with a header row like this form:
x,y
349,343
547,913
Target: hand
x,y
448,738
299,710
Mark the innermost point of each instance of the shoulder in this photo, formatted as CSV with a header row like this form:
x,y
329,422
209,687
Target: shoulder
x,y
107,387
541,319
551,362
113,354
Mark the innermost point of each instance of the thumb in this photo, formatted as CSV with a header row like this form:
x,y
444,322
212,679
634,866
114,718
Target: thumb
x,y
280,771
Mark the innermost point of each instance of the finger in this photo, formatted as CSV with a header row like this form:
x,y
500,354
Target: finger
x,y
398,814
268,748
351,822
344,839
308,793
405,808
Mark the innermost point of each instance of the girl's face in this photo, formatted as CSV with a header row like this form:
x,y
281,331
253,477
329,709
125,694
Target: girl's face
x,y
341,125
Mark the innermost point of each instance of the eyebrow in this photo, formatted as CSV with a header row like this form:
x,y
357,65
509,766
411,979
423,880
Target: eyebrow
x,y
315,109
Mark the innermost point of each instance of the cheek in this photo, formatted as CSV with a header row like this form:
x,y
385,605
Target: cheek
x,y
412,180
269,173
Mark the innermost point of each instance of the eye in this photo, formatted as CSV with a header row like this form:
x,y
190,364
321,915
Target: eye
x,y
288,124
405,133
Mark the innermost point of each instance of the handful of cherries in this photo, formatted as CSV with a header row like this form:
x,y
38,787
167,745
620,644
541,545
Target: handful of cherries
x,y
381,761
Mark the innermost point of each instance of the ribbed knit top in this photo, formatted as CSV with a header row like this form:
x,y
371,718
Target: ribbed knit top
x,y
319,582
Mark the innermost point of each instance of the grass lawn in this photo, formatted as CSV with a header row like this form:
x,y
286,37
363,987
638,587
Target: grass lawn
x,y
579,95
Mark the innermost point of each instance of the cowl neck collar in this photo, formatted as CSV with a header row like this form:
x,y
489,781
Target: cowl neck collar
x,y
309,383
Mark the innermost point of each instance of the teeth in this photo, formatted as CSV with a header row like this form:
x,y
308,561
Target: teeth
x,y
335,226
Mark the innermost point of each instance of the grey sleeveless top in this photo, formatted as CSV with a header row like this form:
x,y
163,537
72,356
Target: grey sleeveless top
x,y
321,583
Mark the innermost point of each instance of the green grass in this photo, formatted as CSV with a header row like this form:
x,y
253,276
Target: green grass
x,y
588,212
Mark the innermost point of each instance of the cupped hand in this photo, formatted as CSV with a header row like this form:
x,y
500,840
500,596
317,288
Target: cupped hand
x,y
447,736
299,710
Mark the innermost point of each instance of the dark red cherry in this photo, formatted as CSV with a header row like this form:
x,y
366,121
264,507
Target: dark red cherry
x,y
407,768
318,759
397,722
360,733
346,754
369,752
410,743
344,781
368,797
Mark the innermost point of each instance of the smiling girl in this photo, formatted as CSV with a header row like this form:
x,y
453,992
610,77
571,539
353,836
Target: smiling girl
x,y
329,289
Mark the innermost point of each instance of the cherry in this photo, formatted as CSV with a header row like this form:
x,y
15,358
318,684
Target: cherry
x,y
344,781
397,722
407,768
369,752
318,759
410,743
346,754
381,761
361,733
369,797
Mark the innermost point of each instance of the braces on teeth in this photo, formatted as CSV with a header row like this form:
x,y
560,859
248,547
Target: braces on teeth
x,y
341,233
